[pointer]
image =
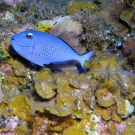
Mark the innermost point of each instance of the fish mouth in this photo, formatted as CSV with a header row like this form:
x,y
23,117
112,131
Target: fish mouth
x,y
18,45
12,38
22,45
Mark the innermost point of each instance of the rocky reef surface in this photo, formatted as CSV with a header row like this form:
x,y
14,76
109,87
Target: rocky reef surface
x,y
61,100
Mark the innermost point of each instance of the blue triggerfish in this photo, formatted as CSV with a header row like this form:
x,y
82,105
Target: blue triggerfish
x,y
43,48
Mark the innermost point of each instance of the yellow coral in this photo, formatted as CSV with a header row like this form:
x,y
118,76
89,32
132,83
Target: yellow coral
x,y
21,130
45,89
74,130
129,127
44,75
43,27
107,93
21,107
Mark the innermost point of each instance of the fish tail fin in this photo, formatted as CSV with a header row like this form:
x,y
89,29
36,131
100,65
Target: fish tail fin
x,y
85,57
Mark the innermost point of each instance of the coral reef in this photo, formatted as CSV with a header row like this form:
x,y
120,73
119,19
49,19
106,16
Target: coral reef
x,y
62,101
97,30
22,12
76,5
111,10
45,10
67,91
11,2
110,6
115,80
93,25
113,90
9,17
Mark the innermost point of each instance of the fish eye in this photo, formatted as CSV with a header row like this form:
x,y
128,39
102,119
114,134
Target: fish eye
x,y
29,35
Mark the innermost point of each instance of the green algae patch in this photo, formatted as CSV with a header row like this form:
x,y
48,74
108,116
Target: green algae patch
x,y
44,84
105,114
56,129
107,93
52,107
79,82
124,108
127,16
65,98
132,58
71,91
110,113
102,64
63,83
21,130
76,5
129,128
127,82
23,80
116,117
21,107
19,69
74,130
3,109
40,108
44,75
79,115
133,4
75,83
45,90
61,112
